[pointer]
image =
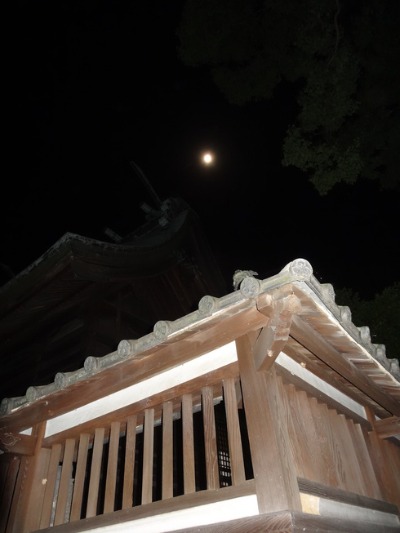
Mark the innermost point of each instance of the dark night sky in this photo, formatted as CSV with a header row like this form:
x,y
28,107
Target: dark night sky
x,y
94,85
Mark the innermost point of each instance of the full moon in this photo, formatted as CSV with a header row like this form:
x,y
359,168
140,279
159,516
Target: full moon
x,y
207,158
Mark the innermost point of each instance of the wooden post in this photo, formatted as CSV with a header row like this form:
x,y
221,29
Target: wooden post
x,y
234,437
129,467
273,464
32,487
148,456
189,479
112,464
167,451
210,439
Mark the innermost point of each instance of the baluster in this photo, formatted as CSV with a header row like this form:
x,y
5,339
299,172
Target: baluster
x,y
81,465
65,483
50,485
111,479
234,436
188,444
148,448
167,448
93,495
129,467
210,438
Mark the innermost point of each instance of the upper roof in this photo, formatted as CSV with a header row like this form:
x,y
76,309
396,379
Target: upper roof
x,y
82,295
322,337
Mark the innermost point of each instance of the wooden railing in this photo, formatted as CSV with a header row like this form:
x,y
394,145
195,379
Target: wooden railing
x,y
186,444
189,443
204,436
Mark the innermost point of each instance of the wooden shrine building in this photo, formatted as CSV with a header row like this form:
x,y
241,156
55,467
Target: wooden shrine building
x,y
264,409
83,295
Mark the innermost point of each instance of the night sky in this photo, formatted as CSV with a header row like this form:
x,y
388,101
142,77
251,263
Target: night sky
x,y
94,85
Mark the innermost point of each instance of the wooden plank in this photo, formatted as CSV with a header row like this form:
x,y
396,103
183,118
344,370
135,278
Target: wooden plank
x,y
49,495
210,438
65,483
9,471
111,478
234,435
299,429
189,484
377,460
148,452
391,452
354,478
167,449
370,484
76,507
94,483
332,493
183,503
129,466
327,453
282,522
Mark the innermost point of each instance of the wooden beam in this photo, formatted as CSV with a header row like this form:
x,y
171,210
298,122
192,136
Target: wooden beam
x,y
387,427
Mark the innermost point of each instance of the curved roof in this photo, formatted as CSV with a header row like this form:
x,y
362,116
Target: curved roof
x,y
322,337
82,294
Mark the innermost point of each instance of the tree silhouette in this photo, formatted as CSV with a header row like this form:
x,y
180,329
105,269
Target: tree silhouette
x,y
341,60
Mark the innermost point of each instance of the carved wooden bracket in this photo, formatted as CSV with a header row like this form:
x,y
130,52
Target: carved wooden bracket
x,y
274,335
17,443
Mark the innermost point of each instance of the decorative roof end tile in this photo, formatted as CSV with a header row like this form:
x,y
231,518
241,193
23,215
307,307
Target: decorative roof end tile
x,y
8,404
63,379
250,287
208,305
162,329
92,364
127,347
35,392
299,269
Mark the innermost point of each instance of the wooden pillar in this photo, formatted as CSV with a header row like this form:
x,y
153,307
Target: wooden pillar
x,y
32,487
273,464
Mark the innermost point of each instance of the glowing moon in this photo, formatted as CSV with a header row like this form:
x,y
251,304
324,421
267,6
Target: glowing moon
x,y
207,158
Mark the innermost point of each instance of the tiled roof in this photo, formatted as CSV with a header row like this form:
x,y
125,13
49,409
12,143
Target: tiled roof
x,y
83,295
318,311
